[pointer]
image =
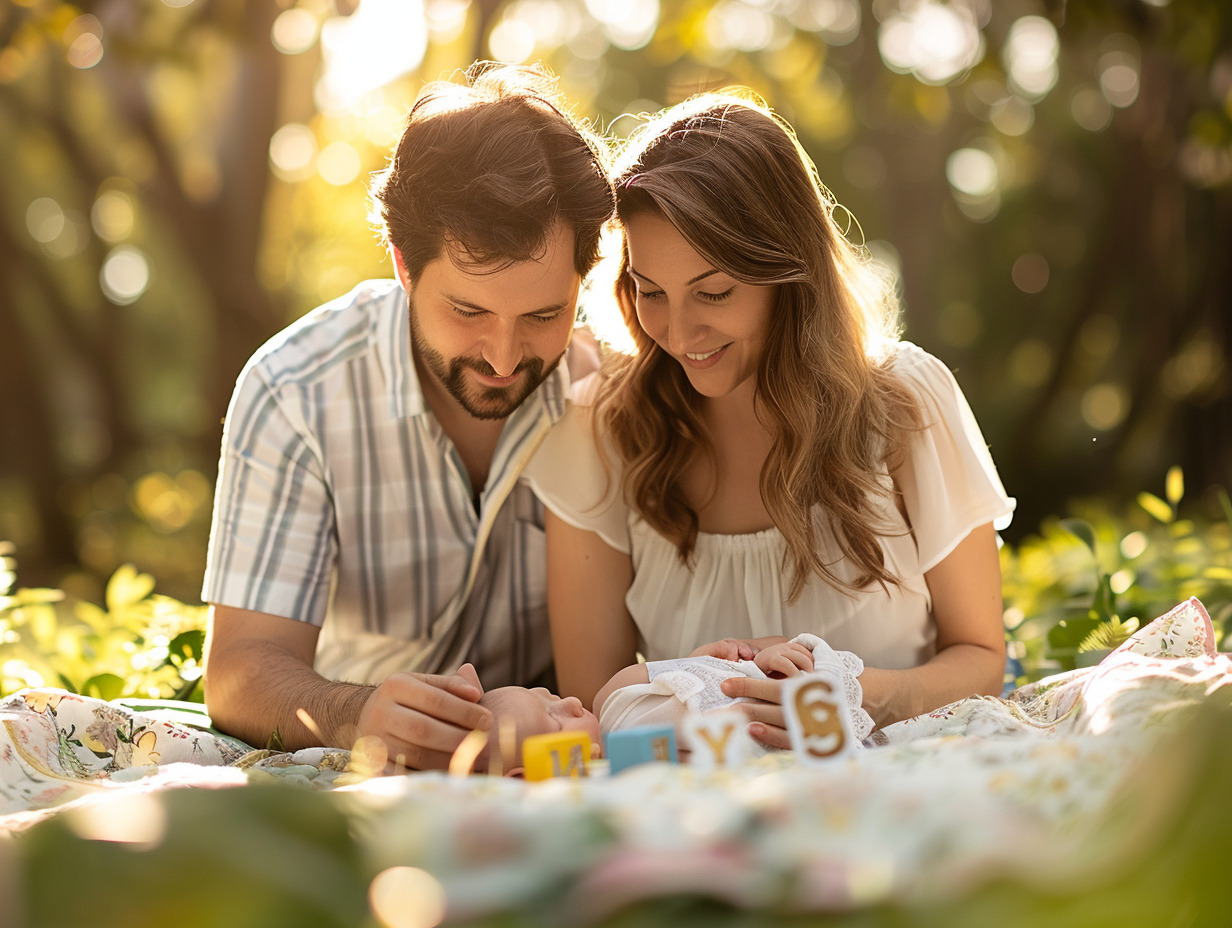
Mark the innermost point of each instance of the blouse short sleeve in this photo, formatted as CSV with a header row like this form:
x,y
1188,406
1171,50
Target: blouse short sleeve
x,y
948,480
578,480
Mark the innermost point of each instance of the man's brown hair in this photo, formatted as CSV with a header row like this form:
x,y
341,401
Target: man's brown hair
x,y
489,167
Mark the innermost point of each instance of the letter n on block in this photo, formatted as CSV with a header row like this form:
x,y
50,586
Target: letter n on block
x,y
560,754
718,740
642,745
818,718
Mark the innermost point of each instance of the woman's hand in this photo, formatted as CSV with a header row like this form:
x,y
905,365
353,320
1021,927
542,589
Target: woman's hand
x,y
726,649
737,649
766,722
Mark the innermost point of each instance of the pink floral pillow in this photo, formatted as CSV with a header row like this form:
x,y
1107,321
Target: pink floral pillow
x,y
1184,631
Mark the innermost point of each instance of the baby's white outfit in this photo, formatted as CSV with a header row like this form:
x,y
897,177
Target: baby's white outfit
x,y
692,684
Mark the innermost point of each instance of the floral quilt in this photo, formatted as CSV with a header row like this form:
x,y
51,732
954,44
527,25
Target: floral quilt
x,y
1057,787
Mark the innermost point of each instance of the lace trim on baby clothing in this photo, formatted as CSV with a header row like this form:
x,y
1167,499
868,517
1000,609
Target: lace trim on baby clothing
x,y
847,667
695,680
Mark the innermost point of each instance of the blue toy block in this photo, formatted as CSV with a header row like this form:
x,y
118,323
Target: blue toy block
x,y
643,745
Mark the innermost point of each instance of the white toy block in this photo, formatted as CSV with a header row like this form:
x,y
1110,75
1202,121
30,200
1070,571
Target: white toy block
x,y
718,740
818,717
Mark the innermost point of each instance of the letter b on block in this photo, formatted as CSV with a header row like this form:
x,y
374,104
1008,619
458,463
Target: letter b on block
x,y
560,754
818,718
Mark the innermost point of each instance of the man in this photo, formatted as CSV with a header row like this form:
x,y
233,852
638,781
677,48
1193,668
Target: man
x,y
369,524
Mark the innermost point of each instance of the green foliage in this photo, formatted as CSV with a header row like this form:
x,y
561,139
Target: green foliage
x,y
263,856
1070,310
1086,582
137,644
1078,588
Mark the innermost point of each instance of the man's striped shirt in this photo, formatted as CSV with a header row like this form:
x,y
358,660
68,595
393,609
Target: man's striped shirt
x,y
341,502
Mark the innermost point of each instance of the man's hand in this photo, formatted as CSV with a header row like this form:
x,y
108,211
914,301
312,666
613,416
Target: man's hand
x,y
766,722
422,718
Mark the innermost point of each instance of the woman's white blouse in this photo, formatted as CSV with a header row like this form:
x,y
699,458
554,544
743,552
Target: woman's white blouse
x,y
738,585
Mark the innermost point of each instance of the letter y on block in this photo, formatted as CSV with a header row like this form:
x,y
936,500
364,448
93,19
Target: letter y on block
x,y
718,740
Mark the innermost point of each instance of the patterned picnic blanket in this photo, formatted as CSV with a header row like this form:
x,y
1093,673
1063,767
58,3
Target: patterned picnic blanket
x,y
1053,789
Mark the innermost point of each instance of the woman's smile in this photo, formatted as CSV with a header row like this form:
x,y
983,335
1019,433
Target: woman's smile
x,y
712,324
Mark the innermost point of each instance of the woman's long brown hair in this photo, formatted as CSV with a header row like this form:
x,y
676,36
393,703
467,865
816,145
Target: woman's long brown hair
x,y
735,182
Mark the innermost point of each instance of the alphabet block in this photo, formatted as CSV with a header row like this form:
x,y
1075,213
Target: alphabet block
x,y
560,754
642,745
818,717
718,740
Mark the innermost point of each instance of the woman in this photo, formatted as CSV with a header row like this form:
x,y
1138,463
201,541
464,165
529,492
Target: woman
x,y
772,460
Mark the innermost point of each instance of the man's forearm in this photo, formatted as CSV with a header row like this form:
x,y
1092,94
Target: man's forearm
x,y
270,692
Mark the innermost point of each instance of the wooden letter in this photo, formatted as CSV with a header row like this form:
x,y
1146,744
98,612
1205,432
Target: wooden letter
x,y
719,740
560,754
818,719
641,745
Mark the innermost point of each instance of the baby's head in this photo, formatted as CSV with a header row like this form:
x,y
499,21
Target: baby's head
x,y
524,712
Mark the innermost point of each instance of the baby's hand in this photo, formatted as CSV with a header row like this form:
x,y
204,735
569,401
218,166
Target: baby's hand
x,y
729,649
784,660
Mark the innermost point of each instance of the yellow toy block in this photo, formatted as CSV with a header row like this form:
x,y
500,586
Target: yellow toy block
x,y
560,754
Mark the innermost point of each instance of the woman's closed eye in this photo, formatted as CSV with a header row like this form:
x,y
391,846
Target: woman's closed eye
x,y
701,295
717,297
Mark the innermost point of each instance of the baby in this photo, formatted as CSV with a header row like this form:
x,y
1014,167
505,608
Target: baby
x,y
518,713
665,692
661,692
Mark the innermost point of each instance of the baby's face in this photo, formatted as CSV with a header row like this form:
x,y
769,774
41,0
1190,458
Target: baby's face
x,y
537,712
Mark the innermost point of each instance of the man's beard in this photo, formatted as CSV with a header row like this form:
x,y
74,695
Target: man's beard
x,y
488,403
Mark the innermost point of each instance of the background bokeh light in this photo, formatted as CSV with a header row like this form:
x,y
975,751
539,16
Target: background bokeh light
x,y
1049,185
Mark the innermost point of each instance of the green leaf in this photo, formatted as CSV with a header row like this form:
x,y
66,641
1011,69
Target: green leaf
x,y
189,644
1174,485
105,686
30,596
93,616
1109,635
189,692
1065,637
1081,529
1103,605
127,587
1156,507
1226,504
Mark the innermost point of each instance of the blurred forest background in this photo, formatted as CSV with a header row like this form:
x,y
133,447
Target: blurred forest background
x,y
1050,181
